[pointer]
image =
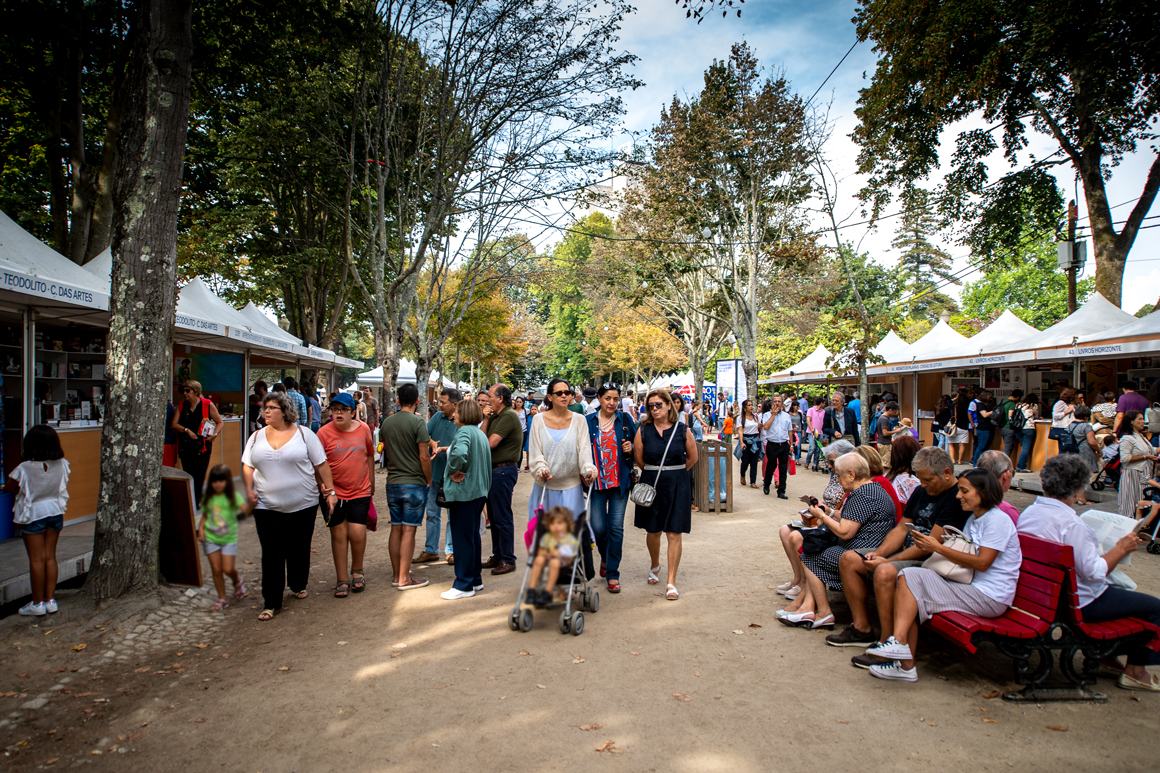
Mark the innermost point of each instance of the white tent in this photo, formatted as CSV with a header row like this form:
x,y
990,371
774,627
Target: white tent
x,y
200,311
1097,315
941,338
260,323
996,337
892,348
1139,335
814,362
679,380
407,375
29,267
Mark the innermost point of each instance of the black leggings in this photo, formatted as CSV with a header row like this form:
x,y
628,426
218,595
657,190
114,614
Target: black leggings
x,y
285,539
750,460
195,463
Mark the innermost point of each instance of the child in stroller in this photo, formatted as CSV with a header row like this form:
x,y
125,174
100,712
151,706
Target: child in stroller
x,y
558,548
1109,465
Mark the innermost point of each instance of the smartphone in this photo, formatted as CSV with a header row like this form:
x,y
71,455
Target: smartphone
x,y
911,527
862,552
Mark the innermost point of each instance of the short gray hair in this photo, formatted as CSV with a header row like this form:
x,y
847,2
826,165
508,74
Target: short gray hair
x,y
837,448
932,459
1064,475
996,463
285,404
855,463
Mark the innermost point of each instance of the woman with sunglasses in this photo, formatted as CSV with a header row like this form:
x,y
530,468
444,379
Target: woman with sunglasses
x,y
748,431
196,422
671,511
611,431
560,453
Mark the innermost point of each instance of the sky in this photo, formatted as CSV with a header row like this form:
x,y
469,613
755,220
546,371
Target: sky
x,y
806,41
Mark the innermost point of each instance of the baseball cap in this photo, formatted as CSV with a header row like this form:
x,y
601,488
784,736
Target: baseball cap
x,y
344,398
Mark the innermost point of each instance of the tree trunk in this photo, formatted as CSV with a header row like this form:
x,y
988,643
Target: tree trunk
x,y
146,193
388,350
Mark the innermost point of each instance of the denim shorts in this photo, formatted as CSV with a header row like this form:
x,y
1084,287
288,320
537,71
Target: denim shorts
x,y
407,502
226,550
52,522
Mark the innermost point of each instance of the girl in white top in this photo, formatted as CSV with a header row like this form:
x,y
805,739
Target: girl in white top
x,y
281,467
41,486
560,453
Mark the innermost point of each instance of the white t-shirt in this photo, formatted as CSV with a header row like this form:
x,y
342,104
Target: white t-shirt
x,y
43,490
592,407
284,478
996,531
627,405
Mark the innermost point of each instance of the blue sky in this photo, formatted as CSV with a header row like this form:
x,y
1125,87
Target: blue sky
x,y
806,40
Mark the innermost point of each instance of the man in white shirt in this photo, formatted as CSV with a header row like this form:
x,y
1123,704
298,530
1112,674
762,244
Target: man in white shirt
x,y
628,403
776,427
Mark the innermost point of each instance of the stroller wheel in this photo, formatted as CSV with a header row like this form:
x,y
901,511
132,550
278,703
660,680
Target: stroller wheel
x,y
564,623
526,620
1097,485
577,623
591,600
1154,548
514,620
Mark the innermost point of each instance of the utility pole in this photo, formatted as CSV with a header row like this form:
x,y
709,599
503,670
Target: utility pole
x,y
1073,268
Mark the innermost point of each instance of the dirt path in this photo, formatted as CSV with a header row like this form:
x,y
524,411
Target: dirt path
x,y
405,681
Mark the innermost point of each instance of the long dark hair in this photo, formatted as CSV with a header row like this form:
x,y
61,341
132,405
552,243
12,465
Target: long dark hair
x,y
220,472
743,404
41,444
1126,427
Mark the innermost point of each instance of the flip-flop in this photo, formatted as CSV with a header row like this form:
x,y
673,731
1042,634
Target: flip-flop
x,y
267,614
341,590
413,584
358,581
671,592
614,586
652,575
219,605
301,595
240,590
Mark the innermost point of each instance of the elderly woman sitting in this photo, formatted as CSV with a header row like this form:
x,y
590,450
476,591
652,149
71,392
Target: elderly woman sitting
x,y
791,539
861,523
1051,517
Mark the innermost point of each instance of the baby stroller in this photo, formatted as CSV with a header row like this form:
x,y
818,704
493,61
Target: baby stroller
x,y
579,593
1151,492
1109,474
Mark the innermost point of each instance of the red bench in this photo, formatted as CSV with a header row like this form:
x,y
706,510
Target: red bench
x,y
1044,618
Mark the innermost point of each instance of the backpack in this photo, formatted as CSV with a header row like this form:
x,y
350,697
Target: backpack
x,y
999,417
1018,419
1067,443
1152,416
874,425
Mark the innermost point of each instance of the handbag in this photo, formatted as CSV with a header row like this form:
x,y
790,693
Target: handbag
x,y
372,518
950,429
817,539
955,540
643,494
440,499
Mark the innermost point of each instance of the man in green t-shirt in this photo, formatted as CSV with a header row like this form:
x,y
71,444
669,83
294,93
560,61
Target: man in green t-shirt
x,y
505,435
1001,418
407,450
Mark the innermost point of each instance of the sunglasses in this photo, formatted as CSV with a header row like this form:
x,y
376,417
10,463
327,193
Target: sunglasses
x,y
563,393
655,406
610,385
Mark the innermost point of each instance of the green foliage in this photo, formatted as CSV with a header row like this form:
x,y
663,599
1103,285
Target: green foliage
x,y
924,267
1035,290
1145,310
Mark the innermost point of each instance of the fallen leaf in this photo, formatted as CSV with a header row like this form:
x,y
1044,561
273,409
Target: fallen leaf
x,y
634,653
755,625
696,673
525,652
141,671
440,687
394,654
146,722
1060,728
342,644
739,633
607,746
52,761
400,645
933,724
249,562
284,668
843,722
23,676
180,654
590,727
542,687
199,721
992,721
578,660
503,697
992,694
79,647
682,697
59,670
202,646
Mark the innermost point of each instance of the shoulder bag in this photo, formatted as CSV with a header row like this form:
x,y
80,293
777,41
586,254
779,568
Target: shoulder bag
x,y
643,494
955,540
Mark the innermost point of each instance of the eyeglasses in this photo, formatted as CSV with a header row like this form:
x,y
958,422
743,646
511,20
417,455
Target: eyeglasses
x,y
655,406
562,393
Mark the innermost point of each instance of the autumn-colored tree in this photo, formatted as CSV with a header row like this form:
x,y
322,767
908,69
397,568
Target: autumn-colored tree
x,y
638,342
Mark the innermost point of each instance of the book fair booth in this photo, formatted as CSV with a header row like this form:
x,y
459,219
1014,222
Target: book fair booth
x,y
53,324
1092,349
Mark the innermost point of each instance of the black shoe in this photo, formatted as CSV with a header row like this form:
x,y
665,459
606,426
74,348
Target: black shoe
x,y
851,637
765,489
781,495
865,661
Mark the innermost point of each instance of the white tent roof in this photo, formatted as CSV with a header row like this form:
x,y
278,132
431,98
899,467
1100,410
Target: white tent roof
x,y
941,338
1148,325
30,267
102,265
406,376
1096,316
814,362
892,348
996,337
200,310
679,380
260,323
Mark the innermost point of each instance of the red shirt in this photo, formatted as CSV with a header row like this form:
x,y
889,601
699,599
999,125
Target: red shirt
x,y
347,454
885,483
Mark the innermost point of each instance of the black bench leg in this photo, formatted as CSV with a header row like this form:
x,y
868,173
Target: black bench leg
x,y
1039,690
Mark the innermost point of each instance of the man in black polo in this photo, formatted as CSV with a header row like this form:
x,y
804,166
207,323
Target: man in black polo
x,y
506,437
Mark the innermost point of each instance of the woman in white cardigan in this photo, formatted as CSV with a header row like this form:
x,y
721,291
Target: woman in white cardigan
x,y
559,453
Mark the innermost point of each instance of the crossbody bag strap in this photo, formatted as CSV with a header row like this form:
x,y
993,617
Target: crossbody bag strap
x,y
665,455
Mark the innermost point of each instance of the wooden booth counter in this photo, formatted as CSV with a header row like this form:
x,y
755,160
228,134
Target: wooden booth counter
x,y
1039,454
82,448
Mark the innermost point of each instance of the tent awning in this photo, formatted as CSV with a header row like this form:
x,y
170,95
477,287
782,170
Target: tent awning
x,y
35,273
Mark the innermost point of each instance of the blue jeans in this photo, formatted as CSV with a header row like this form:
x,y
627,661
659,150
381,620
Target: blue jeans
x,y
406,501
713,479
463,518
942,441
434,516
982,443
1026,442
606,509
813,455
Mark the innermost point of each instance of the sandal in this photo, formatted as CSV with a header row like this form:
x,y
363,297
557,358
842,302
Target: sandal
x,y
614,586
653,579
340,590
267,614
603,569
300,595
219,605
240,590
359,581
671,592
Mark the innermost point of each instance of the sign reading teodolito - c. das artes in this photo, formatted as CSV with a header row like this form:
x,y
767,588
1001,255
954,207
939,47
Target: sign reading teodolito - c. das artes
x,y
52,290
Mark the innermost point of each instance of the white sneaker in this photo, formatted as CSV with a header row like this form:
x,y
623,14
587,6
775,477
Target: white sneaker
x,y
893,649
894,672
478,587
793,592
50,606
35,609
453,594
